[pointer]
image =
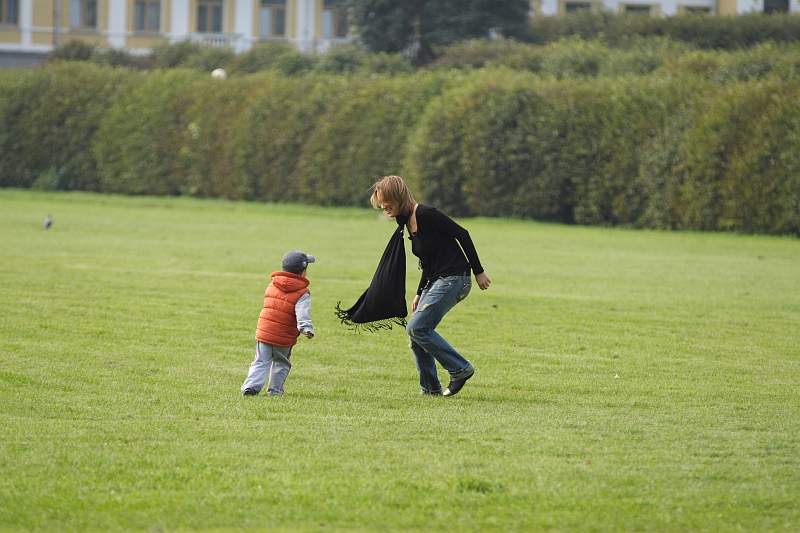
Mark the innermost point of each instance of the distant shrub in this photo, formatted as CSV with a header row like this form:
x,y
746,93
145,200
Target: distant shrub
x,y
114,57
281,57
48,120
352,58
741,31
759,62
480,53
343,59
739,168
384,63
73,51
708,142
362,134
213,118
506,144
208,58
274,128
566,58
174,54
141,146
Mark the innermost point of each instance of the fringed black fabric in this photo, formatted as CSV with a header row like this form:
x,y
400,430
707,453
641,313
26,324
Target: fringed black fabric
x,y
383,304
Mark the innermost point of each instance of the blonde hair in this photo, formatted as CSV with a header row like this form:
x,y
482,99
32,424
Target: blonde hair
x,y
393,189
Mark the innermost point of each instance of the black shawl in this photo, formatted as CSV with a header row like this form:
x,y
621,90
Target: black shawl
x,y
383,304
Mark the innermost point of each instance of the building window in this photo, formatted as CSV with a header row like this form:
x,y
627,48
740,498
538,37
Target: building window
x,y
637,9
573,7
147,15
776,6
696,10
9,11
209,16
273,18
83,14
334,19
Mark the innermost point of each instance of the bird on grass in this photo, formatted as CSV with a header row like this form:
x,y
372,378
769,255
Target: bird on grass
x,y
48,221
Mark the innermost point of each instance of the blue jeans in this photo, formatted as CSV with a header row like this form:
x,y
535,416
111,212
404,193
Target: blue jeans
x,y
427,345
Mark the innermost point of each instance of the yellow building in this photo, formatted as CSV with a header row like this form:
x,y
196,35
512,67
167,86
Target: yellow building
x,y
138,25
27,26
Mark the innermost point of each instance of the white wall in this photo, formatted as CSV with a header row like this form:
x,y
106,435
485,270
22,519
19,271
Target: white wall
x,y
26,21
180,20
244,24
305,25
117,22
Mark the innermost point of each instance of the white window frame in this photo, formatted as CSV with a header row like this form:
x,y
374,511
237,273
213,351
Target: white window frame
x,y
5,13
209,16
267,19
79,14
147,5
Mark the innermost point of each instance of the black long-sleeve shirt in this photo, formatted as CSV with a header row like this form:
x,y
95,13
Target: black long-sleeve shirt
x,y
436,243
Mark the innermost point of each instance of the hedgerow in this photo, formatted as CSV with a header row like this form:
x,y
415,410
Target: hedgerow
x,y
674,148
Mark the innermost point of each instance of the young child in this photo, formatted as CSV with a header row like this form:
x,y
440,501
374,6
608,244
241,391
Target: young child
x,y
286,314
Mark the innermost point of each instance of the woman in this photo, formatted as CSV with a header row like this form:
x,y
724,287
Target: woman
x,y
438,242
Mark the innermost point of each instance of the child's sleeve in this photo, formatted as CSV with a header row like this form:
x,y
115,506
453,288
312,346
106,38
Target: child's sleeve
x,y
303,311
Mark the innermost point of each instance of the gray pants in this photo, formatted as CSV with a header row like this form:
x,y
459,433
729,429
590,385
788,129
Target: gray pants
x,y
272,360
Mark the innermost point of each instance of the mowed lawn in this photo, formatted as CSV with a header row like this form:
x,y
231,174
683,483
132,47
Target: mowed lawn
x,y
626,380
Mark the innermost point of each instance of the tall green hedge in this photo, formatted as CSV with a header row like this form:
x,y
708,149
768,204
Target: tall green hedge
x,y
711,32
48,121
672,149
142,144
213,118
273,131
361,135
739,165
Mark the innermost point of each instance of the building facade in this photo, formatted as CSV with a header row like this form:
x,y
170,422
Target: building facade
x,y
27,26
665,7
139,25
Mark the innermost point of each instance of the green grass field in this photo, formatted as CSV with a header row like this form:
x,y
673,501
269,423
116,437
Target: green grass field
x,y
626,380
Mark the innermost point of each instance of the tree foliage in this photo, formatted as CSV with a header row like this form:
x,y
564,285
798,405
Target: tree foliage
x,y
416,26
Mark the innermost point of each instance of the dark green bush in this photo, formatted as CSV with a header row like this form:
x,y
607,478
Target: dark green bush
x,y
505,144
274,129
384,63
434,166
213,117
739,169
113,57
759,62
73,51
741,31
566,58
501,124
480,53
142,144
362,135
668,150
343,59
174,54
352,58
272,56
48,121
208,58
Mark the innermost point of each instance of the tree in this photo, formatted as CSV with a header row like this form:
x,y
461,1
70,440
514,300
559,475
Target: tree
x,y
414,27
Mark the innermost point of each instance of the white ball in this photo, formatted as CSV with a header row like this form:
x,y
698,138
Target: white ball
x,y
219,73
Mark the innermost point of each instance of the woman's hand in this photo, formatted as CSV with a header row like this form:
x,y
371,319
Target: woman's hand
x,y
483,280
414,303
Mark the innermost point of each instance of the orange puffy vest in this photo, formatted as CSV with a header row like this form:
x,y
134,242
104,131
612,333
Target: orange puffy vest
x,y
277,323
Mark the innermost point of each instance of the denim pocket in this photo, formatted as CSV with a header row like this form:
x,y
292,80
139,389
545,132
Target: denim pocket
x,y
465,289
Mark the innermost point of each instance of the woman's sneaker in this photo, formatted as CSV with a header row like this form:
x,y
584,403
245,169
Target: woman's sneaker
x,y
457,384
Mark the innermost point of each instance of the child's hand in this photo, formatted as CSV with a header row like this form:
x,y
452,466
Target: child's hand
x,y
309,334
